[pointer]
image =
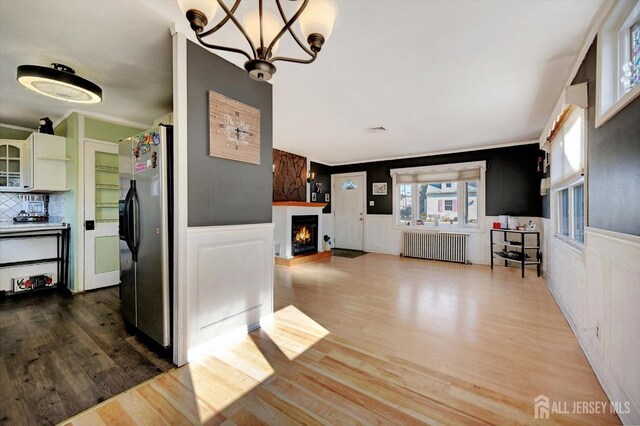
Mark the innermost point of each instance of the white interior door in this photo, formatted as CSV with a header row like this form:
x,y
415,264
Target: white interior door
x,y
101,195
348,210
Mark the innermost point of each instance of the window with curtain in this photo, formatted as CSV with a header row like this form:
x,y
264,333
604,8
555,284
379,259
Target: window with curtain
x,y
567,177
446,195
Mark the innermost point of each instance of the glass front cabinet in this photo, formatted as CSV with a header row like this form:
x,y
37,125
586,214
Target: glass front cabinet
x,y
11,165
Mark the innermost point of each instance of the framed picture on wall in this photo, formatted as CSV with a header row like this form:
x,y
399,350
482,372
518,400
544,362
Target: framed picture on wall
x,y
379,188
313,196
326,198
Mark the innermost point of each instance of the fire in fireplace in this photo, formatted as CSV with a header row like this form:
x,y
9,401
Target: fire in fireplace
x,y
304,234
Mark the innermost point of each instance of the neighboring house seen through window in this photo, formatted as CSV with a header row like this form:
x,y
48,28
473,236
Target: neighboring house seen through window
x,y
433,196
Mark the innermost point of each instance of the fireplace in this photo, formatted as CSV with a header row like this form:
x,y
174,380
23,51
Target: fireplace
x,y
304,234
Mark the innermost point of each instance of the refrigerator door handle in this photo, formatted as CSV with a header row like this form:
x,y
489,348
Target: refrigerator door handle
x,y
135,221
128,222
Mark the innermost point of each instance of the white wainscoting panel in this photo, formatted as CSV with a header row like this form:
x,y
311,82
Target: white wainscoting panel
x,y
229,279
599,293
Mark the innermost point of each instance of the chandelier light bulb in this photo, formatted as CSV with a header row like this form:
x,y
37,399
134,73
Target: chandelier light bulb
x,y
271,26
208,8
318,18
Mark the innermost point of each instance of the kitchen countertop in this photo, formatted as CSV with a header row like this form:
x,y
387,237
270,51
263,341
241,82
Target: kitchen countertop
x,y
14,227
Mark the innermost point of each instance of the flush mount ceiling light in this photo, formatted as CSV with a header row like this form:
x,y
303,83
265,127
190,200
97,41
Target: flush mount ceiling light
x,y
263,30
59,82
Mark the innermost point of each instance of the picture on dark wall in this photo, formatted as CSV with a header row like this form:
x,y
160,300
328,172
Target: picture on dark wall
x,y
380,188
319,188
313,196
326,198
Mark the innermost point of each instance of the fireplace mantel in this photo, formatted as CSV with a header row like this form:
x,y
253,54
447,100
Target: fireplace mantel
x,y
298,204
283,211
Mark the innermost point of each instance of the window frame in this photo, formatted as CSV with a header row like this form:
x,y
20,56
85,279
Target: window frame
x,y
438,171
613,51
570,238
569,181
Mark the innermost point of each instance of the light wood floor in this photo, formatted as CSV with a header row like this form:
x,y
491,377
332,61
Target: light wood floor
x,y
380,339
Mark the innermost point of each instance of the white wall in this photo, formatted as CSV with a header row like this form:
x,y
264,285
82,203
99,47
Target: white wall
x,y
598,291
381,236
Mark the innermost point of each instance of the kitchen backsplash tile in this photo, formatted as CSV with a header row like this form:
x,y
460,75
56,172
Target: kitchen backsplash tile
x,y
10,206
11,203
56,207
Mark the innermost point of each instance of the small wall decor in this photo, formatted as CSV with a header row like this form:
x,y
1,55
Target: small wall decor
x,y
327,198
319,188
313,196
379,188
46,126
234,129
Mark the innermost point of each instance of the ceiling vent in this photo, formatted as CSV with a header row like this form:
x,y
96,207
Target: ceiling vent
x,y
378,129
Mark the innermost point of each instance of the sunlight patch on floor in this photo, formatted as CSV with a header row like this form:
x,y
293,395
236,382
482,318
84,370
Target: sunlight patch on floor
x,y
294,332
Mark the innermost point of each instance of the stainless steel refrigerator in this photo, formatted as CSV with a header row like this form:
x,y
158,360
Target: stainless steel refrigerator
x,y
146,232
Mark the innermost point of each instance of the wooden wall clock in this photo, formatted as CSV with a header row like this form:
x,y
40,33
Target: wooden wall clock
x,y
234,129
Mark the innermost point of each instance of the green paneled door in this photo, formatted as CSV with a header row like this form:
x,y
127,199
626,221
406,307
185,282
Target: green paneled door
x,y
101,195
107,255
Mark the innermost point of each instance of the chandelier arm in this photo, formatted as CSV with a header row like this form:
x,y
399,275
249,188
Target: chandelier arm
x,y
221,23
298,61
225,48
293,34
287,26
261,29
242,30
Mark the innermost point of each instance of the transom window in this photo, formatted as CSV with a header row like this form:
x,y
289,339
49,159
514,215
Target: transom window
x,y
618,64
438,195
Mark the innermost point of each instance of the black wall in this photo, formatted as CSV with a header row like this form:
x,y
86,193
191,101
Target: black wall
x,y
323,176
512,182
613,156
225,192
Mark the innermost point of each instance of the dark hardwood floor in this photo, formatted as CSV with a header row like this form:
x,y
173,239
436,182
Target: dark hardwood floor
x,y
60,355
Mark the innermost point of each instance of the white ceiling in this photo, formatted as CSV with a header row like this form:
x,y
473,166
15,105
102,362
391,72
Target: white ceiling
x,y
440,75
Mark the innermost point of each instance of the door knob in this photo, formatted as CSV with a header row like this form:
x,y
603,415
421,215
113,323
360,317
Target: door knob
x,y
90,225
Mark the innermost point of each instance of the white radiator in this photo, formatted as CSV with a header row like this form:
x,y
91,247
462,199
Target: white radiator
x,y
446,246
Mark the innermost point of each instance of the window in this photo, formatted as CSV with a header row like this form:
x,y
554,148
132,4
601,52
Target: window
x,y
349,184
567,168
438,195
618,59
631,69
578,213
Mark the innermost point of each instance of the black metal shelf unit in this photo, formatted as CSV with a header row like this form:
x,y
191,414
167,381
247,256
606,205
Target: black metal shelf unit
x,y
520,256
61,259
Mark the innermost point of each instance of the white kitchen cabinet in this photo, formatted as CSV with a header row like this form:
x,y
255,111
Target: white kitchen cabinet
x,y
45,163
11,165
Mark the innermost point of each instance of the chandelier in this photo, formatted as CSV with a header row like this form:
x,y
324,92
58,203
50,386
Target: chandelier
x,y
263,30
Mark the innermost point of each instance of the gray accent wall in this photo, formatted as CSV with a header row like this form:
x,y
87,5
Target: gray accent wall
x,y
226,192
613,159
